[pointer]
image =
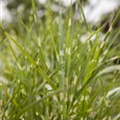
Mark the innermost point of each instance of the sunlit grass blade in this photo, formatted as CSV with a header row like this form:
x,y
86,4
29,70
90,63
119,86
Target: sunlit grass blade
x,y
32,62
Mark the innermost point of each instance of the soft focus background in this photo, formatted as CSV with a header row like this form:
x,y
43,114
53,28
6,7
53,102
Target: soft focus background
x,y
94,9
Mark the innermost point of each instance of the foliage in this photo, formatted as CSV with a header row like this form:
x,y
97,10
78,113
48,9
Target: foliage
x,y
50,73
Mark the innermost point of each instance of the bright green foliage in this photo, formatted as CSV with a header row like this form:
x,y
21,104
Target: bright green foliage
x,y
49,73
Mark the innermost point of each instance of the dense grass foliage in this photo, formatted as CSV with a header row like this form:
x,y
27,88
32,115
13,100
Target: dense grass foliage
x,y
49,71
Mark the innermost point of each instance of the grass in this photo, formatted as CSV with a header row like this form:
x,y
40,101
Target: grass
x,y
49,73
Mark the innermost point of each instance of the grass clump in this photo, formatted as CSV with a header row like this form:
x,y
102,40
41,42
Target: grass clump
x,y
50,73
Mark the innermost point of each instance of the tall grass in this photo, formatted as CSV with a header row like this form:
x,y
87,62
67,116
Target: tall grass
x,y
50,73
